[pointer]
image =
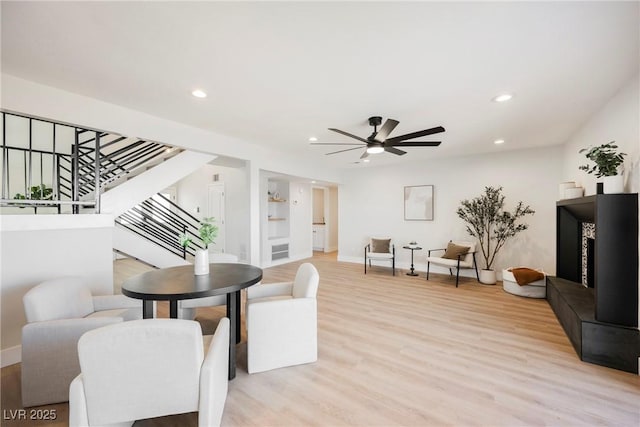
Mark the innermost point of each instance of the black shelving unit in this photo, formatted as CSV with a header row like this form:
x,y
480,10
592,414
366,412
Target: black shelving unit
x,y
601,321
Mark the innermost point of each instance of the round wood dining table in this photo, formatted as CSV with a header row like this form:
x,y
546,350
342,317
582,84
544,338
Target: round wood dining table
x,y
180,283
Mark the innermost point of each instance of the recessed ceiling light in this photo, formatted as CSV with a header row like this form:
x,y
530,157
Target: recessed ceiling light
x,y
313,182
366,160
503,97
313,139
498,141
199,93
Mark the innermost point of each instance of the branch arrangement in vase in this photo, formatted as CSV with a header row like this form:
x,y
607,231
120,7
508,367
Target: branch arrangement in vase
x,y
488,221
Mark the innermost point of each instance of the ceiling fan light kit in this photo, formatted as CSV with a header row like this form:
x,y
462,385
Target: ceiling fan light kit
x,y
379,140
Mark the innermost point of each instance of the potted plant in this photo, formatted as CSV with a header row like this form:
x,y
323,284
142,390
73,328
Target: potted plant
x,y
488,222
38,192
208,232
607,161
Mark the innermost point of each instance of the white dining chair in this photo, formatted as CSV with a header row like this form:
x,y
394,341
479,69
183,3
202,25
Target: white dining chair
x,y
150,368
282,322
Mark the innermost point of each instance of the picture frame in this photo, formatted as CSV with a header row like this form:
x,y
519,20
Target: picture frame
x,y
418,203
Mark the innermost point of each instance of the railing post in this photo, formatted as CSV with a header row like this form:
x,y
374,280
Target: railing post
x,y
97,173
74,172
27,190
5,154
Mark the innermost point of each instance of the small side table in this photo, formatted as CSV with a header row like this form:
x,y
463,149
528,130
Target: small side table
x,y
412,248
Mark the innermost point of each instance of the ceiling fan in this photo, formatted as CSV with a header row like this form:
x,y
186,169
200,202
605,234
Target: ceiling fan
x,y
378,142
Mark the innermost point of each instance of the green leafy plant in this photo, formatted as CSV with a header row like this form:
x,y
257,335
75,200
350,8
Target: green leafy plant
x,y
606,159
488,221
38,192
208,232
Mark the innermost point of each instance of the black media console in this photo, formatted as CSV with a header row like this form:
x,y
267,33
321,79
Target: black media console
x,y
595,293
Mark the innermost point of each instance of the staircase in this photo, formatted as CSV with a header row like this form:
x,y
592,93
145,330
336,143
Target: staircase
x,y
60,168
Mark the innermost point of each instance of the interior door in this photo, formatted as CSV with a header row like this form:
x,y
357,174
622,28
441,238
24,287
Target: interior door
x,y
216,209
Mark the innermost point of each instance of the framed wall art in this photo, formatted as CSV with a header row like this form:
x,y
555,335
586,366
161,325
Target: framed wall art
x,y
418,203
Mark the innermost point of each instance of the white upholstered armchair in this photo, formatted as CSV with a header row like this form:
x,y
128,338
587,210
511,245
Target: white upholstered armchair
x,y
456,255
58,312
282,322
150,368
380,249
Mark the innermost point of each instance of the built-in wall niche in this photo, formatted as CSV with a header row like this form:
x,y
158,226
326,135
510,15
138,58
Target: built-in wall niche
x,y
278,209
278,223
588,253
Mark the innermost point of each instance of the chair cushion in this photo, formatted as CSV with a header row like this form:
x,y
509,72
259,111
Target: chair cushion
x,y
453,251
449,262
380,245
373,255
126,314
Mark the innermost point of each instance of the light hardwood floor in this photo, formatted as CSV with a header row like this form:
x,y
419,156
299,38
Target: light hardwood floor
x,y
406,351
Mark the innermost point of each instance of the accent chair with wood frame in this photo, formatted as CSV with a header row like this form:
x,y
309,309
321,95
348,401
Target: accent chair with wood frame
x,y
380,249
455,256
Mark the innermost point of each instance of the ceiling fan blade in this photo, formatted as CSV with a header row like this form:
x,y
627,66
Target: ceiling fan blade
x,y
349,135
416,134
394,151
365,154
342,151
385,130
334,143
414,144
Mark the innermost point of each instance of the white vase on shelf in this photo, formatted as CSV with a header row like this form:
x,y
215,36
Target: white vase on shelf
x,y
613,184
201,265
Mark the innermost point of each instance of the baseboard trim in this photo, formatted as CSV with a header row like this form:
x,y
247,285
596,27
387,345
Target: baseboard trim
x,y
10,356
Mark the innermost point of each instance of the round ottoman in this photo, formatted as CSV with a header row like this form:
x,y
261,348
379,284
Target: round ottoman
x,y
537,289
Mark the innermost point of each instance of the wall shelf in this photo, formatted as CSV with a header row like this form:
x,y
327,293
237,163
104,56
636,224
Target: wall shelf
x,y
277,219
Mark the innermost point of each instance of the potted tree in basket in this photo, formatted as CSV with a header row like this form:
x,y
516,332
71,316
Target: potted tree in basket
x,y
208,232
607,161
487,221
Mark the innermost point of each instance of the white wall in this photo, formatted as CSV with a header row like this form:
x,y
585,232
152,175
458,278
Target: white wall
x,y
192,196
37,248
331,243
619,121
371,204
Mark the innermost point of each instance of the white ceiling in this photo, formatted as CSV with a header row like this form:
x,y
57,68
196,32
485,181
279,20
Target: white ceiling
x,y
278,73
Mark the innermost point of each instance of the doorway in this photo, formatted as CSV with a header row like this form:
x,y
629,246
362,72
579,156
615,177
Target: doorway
x,y
216,209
